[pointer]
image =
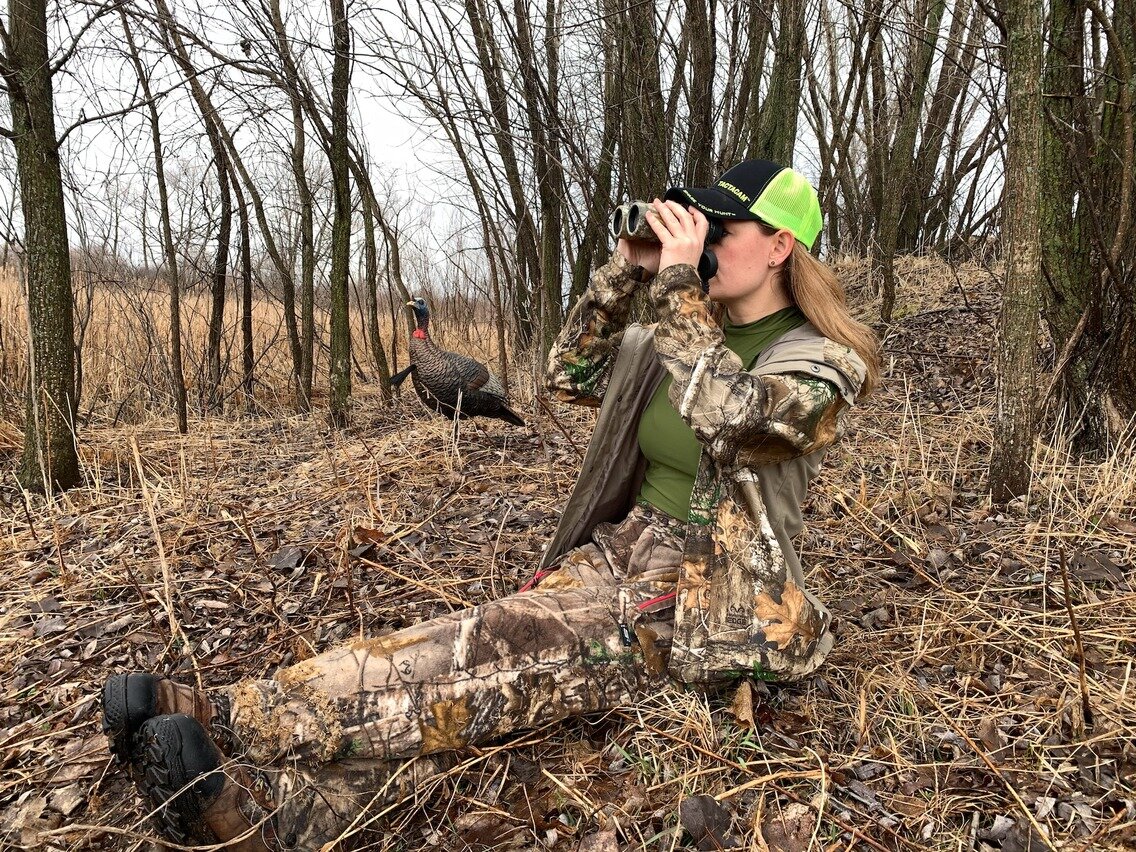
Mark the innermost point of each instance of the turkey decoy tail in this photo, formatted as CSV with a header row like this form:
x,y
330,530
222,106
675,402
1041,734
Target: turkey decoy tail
x,y
398,378
509,416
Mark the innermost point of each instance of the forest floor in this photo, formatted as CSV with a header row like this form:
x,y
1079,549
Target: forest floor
x,y
980,696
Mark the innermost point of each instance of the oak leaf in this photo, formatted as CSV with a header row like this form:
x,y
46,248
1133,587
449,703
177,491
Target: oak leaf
x,y
693,587
732,523
449,729
788,619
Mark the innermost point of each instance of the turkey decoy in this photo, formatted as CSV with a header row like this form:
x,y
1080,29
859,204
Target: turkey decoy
x,y
450,383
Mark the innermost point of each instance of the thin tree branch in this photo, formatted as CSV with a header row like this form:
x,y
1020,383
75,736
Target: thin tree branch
x,y
106,8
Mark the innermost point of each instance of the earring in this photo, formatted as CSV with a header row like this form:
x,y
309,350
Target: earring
x,y
772,263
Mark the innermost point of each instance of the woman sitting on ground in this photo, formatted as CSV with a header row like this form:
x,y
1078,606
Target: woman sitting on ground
x,y
673,560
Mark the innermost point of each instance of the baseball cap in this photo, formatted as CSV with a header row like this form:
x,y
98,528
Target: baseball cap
x,y
759,190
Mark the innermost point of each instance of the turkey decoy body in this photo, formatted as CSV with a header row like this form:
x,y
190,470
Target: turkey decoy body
x,y
449,382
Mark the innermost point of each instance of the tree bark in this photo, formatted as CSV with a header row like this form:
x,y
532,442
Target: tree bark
x,y
340,366
646,133
370,205
50,460
212,390
540,102
700,170
1015,413
895,177
304,352
776,133
526,283
248,360
1089,161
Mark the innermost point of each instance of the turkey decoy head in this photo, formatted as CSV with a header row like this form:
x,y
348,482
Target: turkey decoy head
x,y
421,313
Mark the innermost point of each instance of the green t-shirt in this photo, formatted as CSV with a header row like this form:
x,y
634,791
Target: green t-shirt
x,y
669,444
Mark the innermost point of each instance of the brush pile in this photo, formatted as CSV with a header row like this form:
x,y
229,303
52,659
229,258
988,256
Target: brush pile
x,y
981,695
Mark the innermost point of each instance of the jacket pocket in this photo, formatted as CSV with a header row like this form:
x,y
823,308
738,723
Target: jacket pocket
x,y
737,611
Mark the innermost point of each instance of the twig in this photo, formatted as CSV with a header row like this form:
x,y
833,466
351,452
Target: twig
x,y
556,422
1086,708
27,508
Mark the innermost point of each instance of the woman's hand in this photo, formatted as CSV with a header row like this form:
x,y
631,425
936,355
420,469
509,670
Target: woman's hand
x,y
681,231
640,253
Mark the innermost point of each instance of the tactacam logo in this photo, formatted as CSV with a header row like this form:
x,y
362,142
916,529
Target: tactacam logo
x,y
725,184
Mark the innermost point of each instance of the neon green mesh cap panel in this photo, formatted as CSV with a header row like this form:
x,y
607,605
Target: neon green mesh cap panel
x,y
790,202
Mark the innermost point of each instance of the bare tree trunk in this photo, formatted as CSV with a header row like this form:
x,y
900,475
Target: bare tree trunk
x,y
955,67
370,205
646,132
895,177
541,109
1014,430
746,94
700,167
247,356
340,366
50,460
305,346
212,391
175,46
1089,187
777,132
307,258
526,283
169,253
596,237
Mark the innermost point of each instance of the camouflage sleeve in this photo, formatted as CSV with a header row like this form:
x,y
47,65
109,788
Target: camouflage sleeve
x,y
581,359
743,419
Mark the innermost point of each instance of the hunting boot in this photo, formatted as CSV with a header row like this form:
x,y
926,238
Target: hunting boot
x,y
199,797
130,699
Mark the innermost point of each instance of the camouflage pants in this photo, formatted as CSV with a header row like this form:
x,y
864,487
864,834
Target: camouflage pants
x,y
349,731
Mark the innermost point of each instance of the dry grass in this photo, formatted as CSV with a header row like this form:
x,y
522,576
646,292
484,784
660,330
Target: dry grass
x,y
950,716
123,331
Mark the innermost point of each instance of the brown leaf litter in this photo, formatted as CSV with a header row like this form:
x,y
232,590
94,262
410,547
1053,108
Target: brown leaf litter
x,y
950,715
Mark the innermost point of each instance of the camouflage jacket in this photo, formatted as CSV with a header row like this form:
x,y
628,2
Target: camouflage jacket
x,y
740,605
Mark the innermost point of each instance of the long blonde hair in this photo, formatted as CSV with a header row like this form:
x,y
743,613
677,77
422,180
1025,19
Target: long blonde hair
x,y
815,289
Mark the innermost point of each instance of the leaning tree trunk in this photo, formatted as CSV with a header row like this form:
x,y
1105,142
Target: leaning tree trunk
x,y
50,460
1010,463
340,376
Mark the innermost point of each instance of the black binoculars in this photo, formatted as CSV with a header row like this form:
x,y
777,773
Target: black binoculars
x,y
629,222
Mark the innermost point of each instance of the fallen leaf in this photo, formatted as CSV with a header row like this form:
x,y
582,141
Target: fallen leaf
x,y
287,558
742,706
790,829
991,737
704,819
600,841
787,620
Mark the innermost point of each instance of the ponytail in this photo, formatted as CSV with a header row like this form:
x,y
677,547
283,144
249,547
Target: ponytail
x,y
818,293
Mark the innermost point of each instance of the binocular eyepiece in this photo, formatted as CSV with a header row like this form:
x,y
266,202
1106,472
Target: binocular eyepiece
x,y
629,222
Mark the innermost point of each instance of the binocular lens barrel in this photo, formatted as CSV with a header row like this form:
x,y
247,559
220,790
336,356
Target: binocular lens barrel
x,y
629,222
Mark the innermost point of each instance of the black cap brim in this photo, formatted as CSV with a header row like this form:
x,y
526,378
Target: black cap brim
x,y
711,201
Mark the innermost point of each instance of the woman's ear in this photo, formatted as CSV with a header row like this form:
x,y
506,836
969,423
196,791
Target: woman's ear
x,y
782,247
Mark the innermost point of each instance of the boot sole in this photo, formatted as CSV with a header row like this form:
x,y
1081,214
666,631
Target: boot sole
x,y
128,701
179,794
